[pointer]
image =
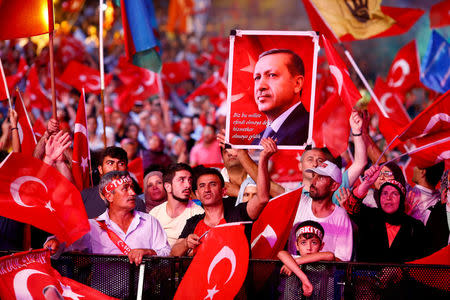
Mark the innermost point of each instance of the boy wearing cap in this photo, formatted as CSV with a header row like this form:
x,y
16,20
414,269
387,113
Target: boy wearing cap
x,y
326,179
309,235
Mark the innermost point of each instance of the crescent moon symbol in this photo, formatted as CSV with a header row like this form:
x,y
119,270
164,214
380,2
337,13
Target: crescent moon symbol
x,y
404,66
19,128
20,283
338,76
434,120
269,234
91,85
383,101
225,253
15,186
138,91
151,80
80,128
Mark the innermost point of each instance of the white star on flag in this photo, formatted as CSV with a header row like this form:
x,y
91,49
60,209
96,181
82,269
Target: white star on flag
x,y
49,206
211,293
84,163
67,292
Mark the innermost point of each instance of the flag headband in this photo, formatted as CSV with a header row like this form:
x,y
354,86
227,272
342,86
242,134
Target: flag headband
x,y
116,183
309,229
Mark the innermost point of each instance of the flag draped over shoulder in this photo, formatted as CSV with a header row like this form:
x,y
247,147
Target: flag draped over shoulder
x,y
20,19
142,44
435,69
36,193
219,268
29,275
359,20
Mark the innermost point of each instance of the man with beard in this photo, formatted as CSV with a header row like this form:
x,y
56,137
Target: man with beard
x,y
173,214
319,207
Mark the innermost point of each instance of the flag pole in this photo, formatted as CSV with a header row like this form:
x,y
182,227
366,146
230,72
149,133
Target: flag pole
x,y
52,56
102,68
420,149
366,84
5,83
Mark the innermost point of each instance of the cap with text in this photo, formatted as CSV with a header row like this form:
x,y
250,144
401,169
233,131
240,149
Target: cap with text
x,y
327,168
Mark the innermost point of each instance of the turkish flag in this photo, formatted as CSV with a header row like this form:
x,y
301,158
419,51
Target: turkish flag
x,y
26,133
404,73
219,268
136,169
81,158
39,97
433,154
176,72
29,18
81,76
29,275
439,14
221,46
215,87
270,231
70,49
346,89
39,128
36,193
331,126
285,166
13,80
435,118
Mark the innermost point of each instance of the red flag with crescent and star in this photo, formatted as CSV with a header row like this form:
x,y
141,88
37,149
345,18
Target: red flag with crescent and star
x,y
29,275
35,193
26,133
38,96
81,76
176,72
81,158
404,73
219,268
271,231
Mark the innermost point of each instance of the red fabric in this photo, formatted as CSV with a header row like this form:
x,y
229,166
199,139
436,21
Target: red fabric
x,y
214,87
435,118
270,231
220,266
25,275
404,73
318,23
346,89
39,128
81,160
221,46
70,49
81,76
439,14
440,280
34,91
176,72
25,18
285,166
37,194
434,154
123,247
13,80
27,139
331,126
392,231
136,168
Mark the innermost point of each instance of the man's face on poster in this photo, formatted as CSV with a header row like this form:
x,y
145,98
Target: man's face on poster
x,y
276,89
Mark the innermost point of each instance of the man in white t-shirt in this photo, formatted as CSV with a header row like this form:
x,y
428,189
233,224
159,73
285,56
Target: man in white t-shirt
x,y
318,206
173,214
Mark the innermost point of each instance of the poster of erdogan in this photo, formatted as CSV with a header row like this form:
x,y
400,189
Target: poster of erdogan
x,y
271,88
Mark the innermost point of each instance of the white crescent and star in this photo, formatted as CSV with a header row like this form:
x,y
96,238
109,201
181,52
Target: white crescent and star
x,y
20,283
15,187
383,100
224,253
404,66
81,129
338,76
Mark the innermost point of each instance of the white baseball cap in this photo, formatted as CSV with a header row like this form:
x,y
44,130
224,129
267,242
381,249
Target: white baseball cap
x,y
327,168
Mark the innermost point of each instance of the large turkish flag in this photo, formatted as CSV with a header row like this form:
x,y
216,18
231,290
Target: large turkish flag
x,y
36,193
219,268
29,275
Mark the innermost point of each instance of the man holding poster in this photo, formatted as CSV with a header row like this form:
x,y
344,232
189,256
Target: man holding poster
x,y
278,77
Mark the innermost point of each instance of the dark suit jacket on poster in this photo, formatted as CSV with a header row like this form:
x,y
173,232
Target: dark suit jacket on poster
x,y
293,131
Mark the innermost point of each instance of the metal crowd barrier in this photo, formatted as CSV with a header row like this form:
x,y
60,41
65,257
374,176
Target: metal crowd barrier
x,y
160,277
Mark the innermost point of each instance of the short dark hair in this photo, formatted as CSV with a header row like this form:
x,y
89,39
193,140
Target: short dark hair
x,y
169,174
114,152
201,170
325,151
295,65
433,174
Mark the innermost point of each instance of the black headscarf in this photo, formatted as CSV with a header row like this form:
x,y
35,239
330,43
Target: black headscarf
x,y
396,217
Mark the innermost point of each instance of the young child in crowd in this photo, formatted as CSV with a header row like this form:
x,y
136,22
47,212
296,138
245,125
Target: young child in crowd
x,y
309,236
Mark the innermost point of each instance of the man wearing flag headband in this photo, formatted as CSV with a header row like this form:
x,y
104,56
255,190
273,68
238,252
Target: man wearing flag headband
x,y
121,229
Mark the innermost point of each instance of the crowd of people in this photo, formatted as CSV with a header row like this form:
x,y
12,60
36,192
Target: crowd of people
x,y
194,181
